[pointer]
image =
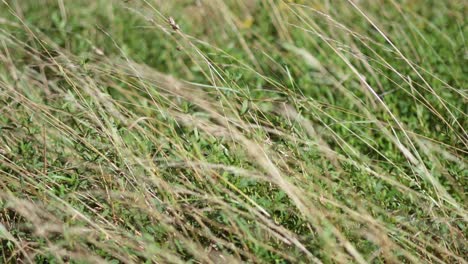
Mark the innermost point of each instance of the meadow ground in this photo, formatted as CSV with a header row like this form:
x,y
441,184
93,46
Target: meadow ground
x,y
211,131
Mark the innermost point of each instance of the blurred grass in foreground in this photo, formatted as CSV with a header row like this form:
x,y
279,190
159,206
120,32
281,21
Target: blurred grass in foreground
x,y
253,131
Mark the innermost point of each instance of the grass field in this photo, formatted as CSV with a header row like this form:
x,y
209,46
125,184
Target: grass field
x,y
211,131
